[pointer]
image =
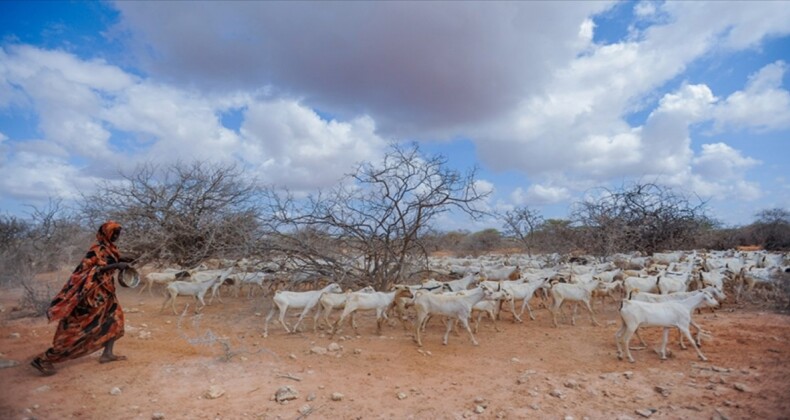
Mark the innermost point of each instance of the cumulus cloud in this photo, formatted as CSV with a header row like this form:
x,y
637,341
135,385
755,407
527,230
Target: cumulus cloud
x,y
537,195
93,127
763,105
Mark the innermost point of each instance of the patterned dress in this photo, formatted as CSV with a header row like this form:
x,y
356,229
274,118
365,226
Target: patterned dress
x,y
87,309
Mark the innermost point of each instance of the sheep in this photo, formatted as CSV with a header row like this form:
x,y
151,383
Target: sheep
x,y
635,314
284,299
581,292
452,306
381,302
188,288
329,301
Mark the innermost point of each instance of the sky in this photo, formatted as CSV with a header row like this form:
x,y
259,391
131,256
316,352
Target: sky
x,y
548,100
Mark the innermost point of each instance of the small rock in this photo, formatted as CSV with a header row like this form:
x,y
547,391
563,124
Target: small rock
x,y
480,400
115,391
14,335
557,393
292,356
318,350
535,407
515,360
628,374
305,409
214,392
357,351
333,347
567,418
144,335
740,387
479,409
570,383
720,369
7,363
310,396
336,396
644,412
662,390
402,395
43,388
285,393
158,416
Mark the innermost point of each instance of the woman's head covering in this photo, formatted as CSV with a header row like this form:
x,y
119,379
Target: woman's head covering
x,y
107,230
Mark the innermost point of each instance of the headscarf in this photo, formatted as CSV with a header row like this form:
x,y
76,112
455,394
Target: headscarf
x,y
85,279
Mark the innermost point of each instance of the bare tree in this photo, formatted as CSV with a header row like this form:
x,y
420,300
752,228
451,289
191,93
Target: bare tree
x,y
521,224
771,229
181,214
376,218
644,216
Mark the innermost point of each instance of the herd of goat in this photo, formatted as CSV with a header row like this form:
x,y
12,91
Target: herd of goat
x,y
662,290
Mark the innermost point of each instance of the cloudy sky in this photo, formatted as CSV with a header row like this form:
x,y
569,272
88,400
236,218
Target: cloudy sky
x,y
548,99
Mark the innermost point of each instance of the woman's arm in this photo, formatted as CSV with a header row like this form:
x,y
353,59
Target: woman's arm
x,y
116,266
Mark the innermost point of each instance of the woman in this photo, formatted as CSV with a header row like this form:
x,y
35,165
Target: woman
x,y
87,308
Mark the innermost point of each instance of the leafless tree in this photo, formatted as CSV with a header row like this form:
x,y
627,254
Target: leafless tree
x,y
374,221
771,229
521,224
645,217
180,214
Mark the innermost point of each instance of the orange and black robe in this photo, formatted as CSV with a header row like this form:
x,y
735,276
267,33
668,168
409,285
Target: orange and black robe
x,y
87,307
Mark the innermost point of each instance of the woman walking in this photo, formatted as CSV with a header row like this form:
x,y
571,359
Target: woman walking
x,y
87,309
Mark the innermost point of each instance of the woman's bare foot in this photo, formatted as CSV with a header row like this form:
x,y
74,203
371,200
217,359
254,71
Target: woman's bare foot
x,y
107,358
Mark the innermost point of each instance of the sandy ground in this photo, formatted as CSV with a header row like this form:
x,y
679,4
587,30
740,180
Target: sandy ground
x,y
529,370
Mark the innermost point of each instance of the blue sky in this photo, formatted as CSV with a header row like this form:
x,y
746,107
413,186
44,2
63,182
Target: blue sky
x,y
548,99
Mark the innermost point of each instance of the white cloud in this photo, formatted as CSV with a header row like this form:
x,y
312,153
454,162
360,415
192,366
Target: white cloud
x,y
291,145
720,161
537,195
762,105
645,9
117,121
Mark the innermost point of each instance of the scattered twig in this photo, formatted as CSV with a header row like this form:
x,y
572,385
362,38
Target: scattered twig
x,y
289,376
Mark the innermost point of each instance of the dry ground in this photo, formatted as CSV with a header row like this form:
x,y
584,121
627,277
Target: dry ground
x,y
175,360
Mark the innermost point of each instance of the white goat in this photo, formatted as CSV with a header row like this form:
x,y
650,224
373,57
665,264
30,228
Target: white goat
x,y
462,283
491,308
188,288
164,278
609,289
674,297
641,284
380,302
577,292
677,314
520,291
452,306
329,301
284,299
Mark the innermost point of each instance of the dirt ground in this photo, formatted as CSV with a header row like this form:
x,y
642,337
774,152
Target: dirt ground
x,y
179,365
